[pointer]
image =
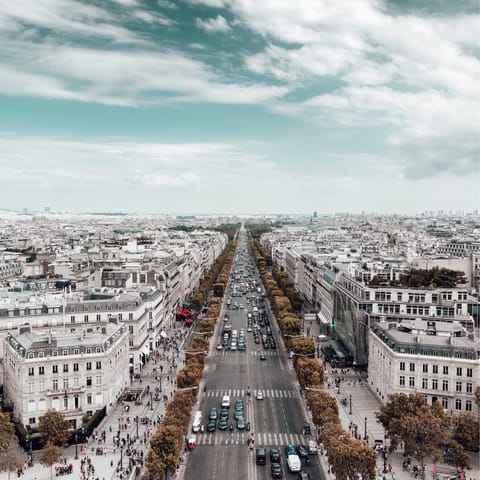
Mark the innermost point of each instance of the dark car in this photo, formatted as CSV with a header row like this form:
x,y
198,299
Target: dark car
x,y
223,424
302,451
275,456
211,426
276,470
260,457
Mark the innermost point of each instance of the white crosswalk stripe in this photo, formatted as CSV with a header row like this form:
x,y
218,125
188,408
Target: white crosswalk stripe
x,y
261,439
241,393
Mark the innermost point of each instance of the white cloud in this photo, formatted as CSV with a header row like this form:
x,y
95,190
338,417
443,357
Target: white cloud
x,y
167,4
151,17
120,77
218,24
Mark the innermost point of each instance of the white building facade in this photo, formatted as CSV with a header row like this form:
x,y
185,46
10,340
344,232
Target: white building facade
x,y
73,373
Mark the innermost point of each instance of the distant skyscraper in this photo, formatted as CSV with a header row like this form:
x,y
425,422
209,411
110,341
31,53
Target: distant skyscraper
x,y
315,215
47,209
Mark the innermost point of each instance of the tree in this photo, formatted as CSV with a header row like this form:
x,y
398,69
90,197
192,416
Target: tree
x,y
467,431
166,443
49,455
456,456
422,434
9,458
391,414
54,428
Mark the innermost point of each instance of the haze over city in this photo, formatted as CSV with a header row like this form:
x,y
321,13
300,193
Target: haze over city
x,y
215,106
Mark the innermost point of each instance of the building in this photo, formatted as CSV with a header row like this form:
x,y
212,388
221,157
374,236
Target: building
x,y
75,373
438,359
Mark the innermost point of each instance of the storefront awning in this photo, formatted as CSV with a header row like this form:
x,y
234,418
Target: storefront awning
x,y
323,319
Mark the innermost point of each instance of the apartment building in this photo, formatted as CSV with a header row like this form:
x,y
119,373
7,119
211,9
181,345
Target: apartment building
x,y
439,359
76,373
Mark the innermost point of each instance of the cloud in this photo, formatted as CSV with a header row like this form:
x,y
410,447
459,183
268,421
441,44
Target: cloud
x,y
132,77
167,4
213,25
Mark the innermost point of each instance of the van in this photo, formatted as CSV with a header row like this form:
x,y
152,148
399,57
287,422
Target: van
x,y
235,334
312,448
197,422
260,456
226,401
294,463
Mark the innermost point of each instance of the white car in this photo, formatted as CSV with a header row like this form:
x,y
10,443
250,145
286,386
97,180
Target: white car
x,y
219,346
259,395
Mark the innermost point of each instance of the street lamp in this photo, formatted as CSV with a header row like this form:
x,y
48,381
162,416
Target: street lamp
x,y
121,457
76,446
365,436
136,420
350,412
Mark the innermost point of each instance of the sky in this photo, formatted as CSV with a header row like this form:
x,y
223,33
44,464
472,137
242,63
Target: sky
x,y
239,106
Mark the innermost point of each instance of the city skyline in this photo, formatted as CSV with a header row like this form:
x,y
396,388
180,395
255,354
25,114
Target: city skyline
x,y
217,106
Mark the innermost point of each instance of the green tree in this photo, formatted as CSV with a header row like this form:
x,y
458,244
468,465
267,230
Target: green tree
x,y
50,455
166,443
54,428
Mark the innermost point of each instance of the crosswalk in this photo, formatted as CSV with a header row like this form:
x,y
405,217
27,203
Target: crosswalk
x,y
261,439
254,353
239,392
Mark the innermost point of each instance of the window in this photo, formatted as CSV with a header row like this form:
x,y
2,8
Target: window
x,y
445,385
54,368
75,382
98,380
469,372
98,317
459,371
85,318
445,403
72,319
89,381
412,367
445,370
76,351
130,343
31,387
425,368
411,381
65,403
41,385
89,365
65,367
98,349
130,316
469,388
424,382
88,350
458,386
75,367
65,383
130,330
89,399
434,368
458,404
41,354
41,370
434,384
120,316
31,421
55,384
98,365
468,405
31,371
54,353
402,381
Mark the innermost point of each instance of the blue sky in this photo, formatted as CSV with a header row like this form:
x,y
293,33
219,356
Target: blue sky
x,y
239,106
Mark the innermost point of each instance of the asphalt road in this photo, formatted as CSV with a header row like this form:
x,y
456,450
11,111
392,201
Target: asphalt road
x,y
275,421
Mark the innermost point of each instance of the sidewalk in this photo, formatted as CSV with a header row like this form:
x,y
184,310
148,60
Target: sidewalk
x,y
121,423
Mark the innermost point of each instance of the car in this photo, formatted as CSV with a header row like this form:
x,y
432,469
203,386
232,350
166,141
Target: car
x,y
233,346
219,346
302,451
211,426
249,328
213,414
225,342
241,423
273,345
223,424
259,395
223,413
263,357
275,456
239,404
290,450
257,339
238,413
241,347
276,470
225,318
241,306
